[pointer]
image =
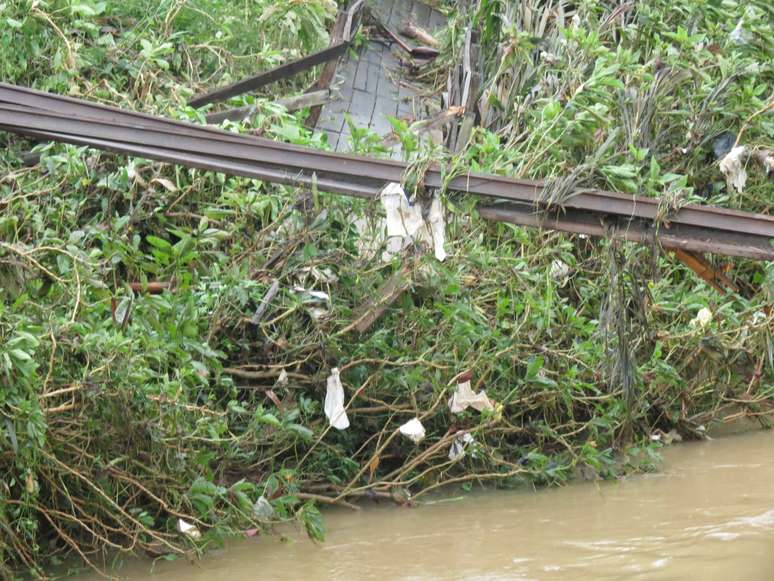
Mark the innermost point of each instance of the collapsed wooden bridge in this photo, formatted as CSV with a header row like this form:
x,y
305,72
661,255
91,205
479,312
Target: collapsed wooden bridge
x,y
692,228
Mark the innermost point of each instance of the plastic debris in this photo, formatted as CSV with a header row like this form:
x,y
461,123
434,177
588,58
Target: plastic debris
x,y
739,34
559,270
309,295
188,529
317,313
413,430
437,226
334,402
282,380
702,319
723,144
732,166
404,220
463,398
262,509
457,449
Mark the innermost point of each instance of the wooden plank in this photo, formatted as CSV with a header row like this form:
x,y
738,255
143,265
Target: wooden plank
x,y
368,313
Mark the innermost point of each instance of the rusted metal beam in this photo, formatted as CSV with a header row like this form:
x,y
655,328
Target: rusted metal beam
x,y
328,71
331,52
271,76
374,172
698,264
694,228
676,237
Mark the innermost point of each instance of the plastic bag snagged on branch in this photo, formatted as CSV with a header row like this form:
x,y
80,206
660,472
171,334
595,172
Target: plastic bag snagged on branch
x,y
463,398
457,449
188,529
406,221
334,402
732,166
413,430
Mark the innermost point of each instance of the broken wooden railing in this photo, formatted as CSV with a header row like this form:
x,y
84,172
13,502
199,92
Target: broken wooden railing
x,y
342,39
692,228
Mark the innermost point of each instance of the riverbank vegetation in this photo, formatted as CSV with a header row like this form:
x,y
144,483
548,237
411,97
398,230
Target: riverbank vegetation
x,y
160,418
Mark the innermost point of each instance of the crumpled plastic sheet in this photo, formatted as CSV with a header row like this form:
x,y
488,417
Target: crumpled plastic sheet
x,y
463,398
732,166
262,509
405,220
457,449
413,430
188,529
334,402
702,319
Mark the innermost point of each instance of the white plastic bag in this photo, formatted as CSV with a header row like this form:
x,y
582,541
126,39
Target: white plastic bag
x,y
188,529
463,398
405,220
703,318
262,509
334,402
413,430
457,449
732,167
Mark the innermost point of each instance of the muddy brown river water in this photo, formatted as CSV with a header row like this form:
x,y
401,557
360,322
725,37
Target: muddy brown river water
x,y
709,514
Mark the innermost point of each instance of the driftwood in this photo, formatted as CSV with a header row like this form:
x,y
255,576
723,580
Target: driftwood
x,y
293,103
425,52
435,122
367,314
419,34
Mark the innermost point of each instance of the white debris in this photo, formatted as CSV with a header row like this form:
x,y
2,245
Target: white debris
x,y
282,380
311,295
732,166
188,529
320,275
702,319
413,430
463,398
262,509
457,449
334,402
404,220
576,21
559,270
437,226
738,35
317,313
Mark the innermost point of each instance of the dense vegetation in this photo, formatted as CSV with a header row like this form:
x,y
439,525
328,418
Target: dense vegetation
x,y
123,412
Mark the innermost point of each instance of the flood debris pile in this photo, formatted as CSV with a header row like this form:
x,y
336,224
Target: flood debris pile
x,y
186,355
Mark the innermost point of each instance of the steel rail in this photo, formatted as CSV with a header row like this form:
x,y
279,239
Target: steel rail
x,y
496,186
66,119
678,236
189,137
209,163
492,185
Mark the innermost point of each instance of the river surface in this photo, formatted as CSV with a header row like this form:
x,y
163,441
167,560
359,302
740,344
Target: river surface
x,y
708,514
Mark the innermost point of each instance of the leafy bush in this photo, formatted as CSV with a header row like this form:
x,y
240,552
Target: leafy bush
x,y
123,412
